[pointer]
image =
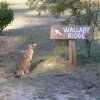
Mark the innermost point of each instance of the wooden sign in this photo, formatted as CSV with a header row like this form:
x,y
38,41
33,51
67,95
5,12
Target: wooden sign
x,y
71,32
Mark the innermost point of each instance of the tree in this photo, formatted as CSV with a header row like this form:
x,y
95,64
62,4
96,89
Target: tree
x,y
40,5
85,11
6,15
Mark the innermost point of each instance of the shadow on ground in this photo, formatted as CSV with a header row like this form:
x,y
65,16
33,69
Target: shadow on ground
x,y
35,64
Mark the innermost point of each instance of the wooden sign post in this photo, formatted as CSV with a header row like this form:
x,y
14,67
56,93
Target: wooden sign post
x,y
71,33
72,53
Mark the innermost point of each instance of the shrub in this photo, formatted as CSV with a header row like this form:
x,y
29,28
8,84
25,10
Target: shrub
x,y
6,15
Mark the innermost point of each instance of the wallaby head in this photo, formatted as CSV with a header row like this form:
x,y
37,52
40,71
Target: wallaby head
x,y
32,46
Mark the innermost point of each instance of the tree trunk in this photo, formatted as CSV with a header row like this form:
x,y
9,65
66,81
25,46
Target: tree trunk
x,y
0,32
88,47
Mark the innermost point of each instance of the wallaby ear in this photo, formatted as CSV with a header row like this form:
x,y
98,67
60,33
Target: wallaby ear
x,y
34,44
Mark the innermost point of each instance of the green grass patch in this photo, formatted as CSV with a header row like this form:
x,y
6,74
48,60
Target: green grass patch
x,y
83,59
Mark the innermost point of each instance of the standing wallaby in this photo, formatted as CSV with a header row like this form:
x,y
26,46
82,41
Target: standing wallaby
x,y
24,59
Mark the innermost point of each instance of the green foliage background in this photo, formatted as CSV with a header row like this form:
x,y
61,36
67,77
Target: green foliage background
x,y
6,15
85,11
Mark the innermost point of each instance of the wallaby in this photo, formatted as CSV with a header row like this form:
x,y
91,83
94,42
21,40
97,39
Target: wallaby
x,y
24,59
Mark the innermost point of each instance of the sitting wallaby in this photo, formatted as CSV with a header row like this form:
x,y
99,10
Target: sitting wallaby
x,y
24,59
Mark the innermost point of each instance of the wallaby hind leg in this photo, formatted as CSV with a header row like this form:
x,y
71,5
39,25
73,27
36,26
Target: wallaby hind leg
x,y
27,70
20,72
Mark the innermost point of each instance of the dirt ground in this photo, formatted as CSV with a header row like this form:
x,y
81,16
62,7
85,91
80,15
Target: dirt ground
x,y
50,78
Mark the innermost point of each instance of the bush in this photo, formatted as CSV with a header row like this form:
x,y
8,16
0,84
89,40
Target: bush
x,y
6,15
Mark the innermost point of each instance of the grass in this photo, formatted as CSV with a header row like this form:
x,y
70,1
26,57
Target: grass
x,y
94,59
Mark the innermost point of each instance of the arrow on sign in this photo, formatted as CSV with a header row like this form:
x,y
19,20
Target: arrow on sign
x,y
58,32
